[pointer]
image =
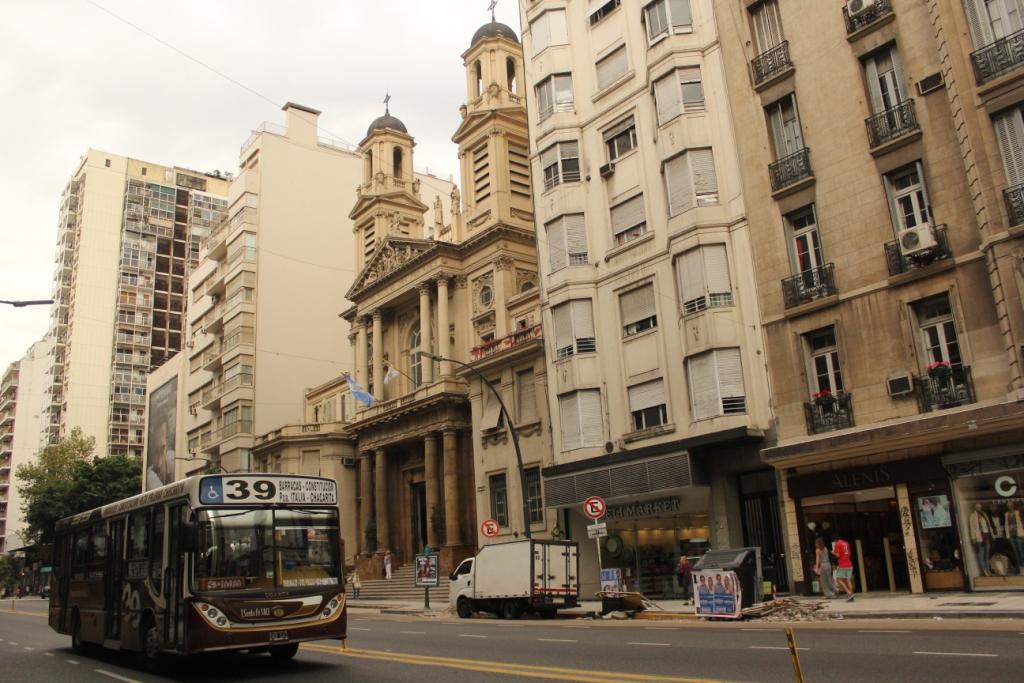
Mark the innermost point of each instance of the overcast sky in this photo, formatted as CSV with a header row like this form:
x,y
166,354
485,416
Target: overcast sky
x,y
73,77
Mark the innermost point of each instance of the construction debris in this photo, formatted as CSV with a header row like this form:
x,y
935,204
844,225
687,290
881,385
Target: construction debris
x,y
788,609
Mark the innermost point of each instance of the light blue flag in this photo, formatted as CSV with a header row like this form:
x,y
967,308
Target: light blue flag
x,y
358,393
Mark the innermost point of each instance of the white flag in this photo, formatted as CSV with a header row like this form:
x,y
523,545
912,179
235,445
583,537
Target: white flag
x,y
390,374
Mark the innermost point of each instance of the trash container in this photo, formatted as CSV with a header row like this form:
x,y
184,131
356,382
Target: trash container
x,y
746,562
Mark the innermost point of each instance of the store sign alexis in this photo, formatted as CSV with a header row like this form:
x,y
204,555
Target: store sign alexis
x,y
647,508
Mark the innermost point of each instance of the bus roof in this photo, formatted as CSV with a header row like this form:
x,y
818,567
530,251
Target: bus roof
x,y
216,490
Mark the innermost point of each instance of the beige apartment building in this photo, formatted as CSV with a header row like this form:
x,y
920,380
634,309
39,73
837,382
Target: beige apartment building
x,y
657,383
128,236
881,164
435,453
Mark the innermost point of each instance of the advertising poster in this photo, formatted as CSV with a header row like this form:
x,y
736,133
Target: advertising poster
x,y
933,511
717,594
611,580
426,571
160,446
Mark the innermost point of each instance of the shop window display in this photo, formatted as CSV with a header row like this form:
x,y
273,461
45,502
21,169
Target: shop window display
x,y
991,527
648,550
937,540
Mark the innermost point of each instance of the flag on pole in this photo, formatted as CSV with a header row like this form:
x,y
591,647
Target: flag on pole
x,y
390,374
358,393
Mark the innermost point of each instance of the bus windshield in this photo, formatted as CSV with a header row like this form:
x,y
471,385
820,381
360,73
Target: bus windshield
x,y
264,549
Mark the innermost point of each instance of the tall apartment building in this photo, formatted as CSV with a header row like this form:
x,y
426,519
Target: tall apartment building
x,y
22,394
128,234
881,162
657,385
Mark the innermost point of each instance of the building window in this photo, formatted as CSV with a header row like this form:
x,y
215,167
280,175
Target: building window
x,y
667,16
415,359
690,180
784,122
526,397
678,92
620,138
938,332
716,383
804,240
629,220
481,173
561,164
767,25
612,67
1009,125
574,328
908,198
992,20
533,496
499,499
824,356
548,29
647,405
567,241
581,421
703,276
638,310
602,9
884,75
554,94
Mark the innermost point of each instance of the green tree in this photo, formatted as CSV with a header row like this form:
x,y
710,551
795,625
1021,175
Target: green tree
x,y
8,573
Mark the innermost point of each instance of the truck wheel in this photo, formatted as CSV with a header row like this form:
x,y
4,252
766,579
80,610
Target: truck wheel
x,y
548,613
464,608
510,610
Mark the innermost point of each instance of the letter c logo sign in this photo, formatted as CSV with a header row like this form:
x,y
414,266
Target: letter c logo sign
x,y
1005,486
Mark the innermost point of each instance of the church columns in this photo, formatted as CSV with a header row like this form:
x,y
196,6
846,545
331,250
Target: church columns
x,y
443,340
366,511
378,353
452,502
362,365
427,364
381,496
431,475
502,269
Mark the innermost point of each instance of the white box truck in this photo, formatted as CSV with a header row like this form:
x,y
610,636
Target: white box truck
x,y
508,579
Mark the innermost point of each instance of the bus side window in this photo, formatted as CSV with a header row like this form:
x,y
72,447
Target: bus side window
x,y
80,556
139,540
156,554
99,543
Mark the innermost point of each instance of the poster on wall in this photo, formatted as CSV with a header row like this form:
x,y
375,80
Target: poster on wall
x,y
160,446
933,511
718,594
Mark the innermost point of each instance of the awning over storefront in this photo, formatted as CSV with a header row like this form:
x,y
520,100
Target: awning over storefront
x,y
631,479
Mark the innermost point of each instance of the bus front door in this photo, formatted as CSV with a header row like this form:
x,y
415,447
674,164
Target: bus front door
x,y
173,587
114,572
63,583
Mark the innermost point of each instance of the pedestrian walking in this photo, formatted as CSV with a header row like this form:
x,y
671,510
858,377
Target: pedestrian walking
x,y
823,568
387,565
684,572
844,567
357,585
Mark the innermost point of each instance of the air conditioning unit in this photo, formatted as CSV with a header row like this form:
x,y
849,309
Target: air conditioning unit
x,y
193,410
607,170
855,7
930,83
899,384
917,239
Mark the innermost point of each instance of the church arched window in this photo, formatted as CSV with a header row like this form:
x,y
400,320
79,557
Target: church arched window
x,y
479,73
415,360
396,161
510,68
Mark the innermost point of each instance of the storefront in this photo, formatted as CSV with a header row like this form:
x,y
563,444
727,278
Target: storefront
x,y
989,499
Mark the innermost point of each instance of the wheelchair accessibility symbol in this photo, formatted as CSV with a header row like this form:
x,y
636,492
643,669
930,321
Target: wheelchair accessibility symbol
x,y
211,491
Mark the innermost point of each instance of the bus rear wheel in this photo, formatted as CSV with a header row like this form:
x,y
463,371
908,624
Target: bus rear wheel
x,y
76,633
284,652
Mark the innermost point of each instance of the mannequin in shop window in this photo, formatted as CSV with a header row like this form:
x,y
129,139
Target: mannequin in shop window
x,y
1014,532
981,536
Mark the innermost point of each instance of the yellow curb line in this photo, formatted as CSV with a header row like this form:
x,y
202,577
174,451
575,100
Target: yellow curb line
x,y
24,614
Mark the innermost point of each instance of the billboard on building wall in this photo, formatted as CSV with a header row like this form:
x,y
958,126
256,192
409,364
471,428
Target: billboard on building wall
x,y
160,437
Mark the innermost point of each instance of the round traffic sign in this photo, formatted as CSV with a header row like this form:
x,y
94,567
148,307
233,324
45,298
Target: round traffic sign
x,y
490,528
595,507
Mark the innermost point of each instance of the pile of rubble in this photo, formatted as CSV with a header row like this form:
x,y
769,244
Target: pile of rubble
x,y
788,609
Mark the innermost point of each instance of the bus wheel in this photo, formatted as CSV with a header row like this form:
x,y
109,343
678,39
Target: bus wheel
x,y
151,656
76,633
464,608
283,652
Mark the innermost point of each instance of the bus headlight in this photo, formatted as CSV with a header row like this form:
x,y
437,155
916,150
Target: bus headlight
x,y
222,621
212,613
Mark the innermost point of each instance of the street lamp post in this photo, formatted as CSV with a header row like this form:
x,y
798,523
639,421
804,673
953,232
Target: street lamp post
x,y
511,428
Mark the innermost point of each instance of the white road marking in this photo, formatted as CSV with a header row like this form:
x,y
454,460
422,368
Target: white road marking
x,y
470,635
356,628
117,676
773,647
574,626
47,654
879,630
29,647
656,644
415,633
11,643
957,654
557,640
660,628
71,661
763,630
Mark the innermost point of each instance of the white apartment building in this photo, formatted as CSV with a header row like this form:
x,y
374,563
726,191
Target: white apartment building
x,y
656,375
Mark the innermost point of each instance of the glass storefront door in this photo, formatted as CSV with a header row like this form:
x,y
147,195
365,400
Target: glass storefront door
x,y
990,510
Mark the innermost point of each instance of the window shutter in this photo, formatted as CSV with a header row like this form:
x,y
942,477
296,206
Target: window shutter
x,y
716,268
548,156
668,97
556,244
730,373
874,90
569,150
590,418
541,30
1010,134
582,319
545,101
491,410
646,395
692,87
611,68
677,181
703,387
556,27
775,119
628,214
576,238
527,397
680,12
637,304
977,19
690,269
704,179
897,66
563,325
620,127
569,416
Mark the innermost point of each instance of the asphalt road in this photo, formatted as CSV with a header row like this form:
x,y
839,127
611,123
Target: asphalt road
x,y
425,650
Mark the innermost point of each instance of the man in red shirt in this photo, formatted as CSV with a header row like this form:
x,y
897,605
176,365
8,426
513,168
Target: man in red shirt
x,y
844,567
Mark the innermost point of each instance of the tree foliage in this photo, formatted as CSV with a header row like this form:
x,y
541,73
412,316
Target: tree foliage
x,y
8,573
65,480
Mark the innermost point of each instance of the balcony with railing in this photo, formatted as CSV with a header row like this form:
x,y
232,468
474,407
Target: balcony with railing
x,y
998,58
232,429
790,169
771,63
945,388
829,413
305,430
899,263
808,286
891,124
508,342
1014,197
214,392
867,17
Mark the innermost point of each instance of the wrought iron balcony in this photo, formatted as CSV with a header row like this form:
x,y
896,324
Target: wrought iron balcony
x,y
790,169
898,263
1014,197
816,283
509,341
891,123
948,390
771,62
829,415
880,9
994,60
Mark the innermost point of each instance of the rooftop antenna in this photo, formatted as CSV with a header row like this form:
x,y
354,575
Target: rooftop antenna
x,y
494,3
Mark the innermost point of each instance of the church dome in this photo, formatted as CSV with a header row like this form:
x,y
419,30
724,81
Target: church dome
x,y
494,30
387,121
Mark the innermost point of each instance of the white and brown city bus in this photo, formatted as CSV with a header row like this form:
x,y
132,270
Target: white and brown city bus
x,y
213,562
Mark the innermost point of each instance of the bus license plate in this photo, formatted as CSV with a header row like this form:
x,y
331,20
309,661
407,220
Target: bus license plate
x,y
277,636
